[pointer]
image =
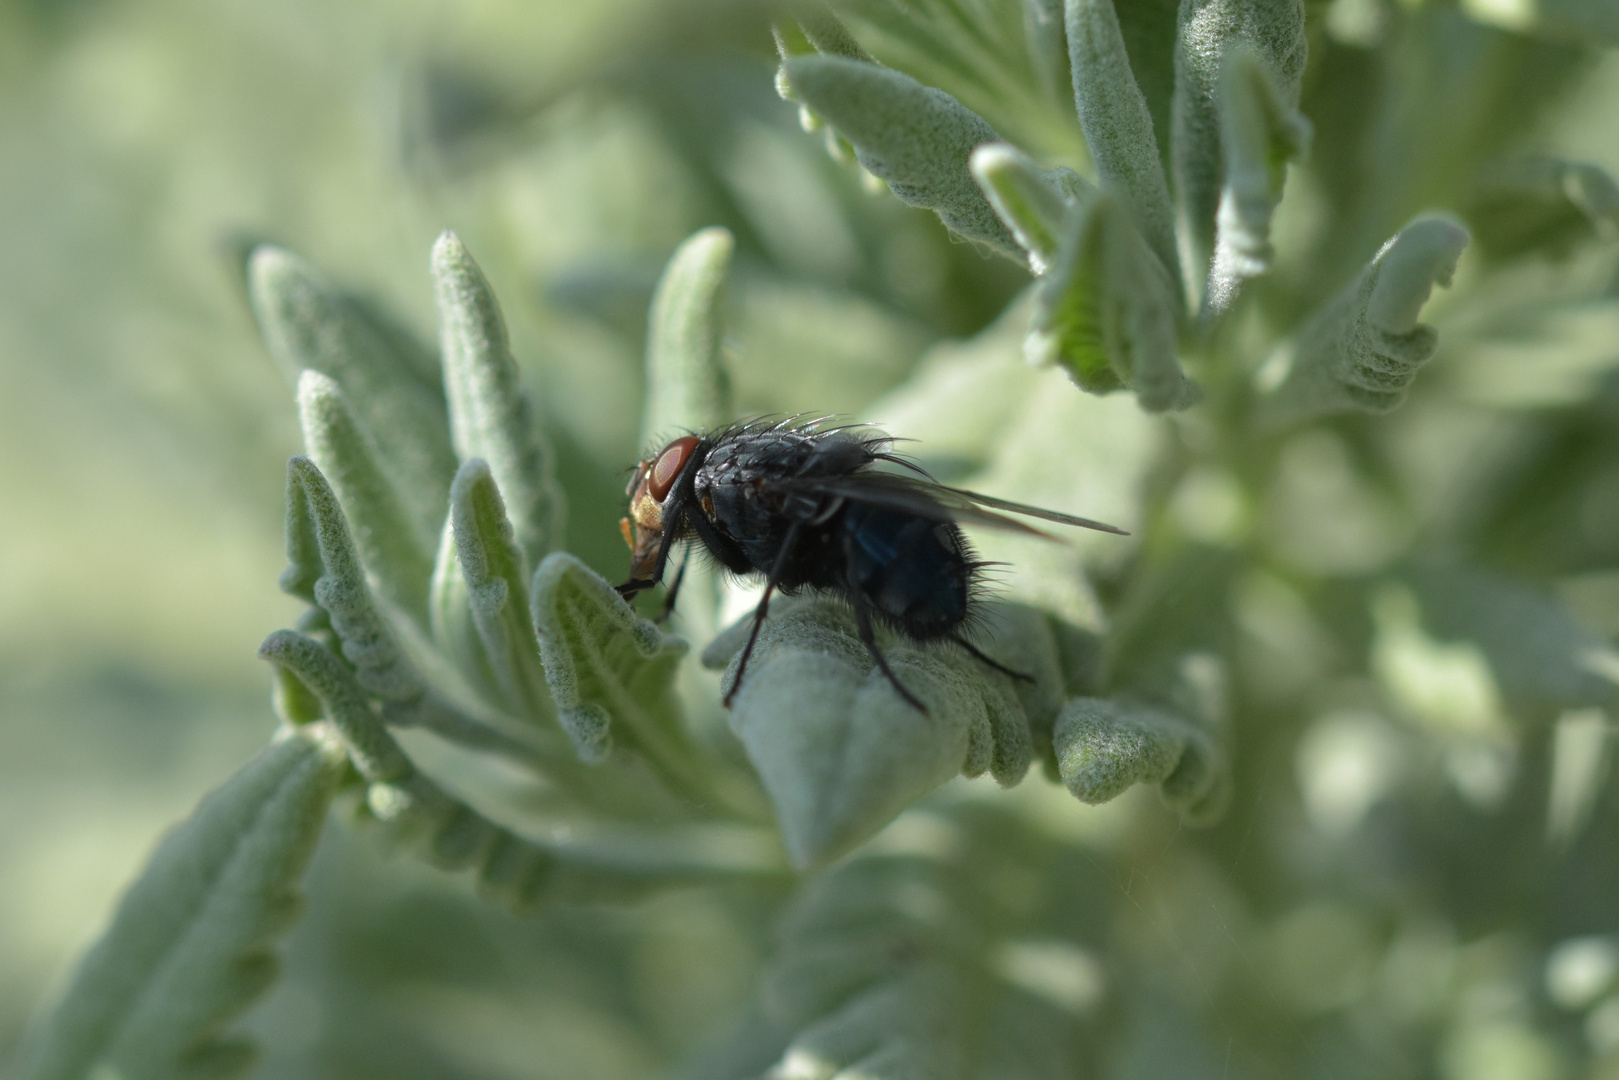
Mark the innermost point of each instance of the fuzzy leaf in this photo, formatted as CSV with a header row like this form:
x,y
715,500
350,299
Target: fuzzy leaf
x,y
1209,30
326,571
1103,747
611,674
489,416
392,546
840,753
1030,200
189,946
1543,203
451,835
496,577
1118,127
915,137
827,33
1106,311
1363,349
308,324
687,388
1260,132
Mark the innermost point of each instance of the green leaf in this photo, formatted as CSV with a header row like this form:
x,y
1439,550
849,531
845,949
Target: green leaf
x,y
829,36
392,546
522,873
190,944
1261,131
1209,30
1106,311
1363,348
1543,203
840,753
308,324
687,387
496,576
1031,201
489,416
915,137
1104,747
326,571
612,674
1118,127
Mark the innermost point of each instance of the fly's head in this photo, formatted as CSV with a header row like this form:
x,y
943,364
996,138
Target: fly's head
x,y
649,491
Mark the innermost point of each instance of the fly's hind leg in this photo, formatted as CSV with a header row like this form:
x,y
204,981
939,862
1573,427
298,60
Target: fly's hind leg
x,y
985,658
868,637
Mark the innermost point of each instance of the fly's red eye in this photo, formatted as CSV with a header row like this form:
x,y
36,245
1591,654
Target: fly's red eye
x,y
668,466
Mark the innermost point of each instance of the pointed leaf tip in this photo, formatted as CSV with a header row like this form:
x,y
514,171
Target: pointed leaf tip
x,y
490,416
916,138
307,323
687,386
1118,127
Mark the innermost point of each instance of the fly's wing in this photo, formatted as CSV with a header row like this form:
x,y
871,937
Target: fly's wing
x,y
928,499
1037,512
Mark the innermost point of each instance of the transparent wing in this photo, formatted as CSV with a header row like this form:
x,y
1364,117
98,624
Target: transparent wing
x,y
1037,512
928,499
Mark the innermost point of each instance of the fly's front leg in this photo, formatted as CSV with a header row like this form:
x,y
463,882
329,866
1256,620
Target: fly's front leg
x,y
763,609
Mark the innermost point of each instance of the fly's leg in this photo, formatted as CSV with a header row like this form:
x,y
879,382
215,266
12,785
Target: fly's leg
x,y
763,609
629,589
674,590
868,637
985,658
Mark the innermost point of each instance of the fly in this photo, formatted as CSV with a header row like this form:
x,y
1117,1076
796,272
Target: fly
x,y
806,506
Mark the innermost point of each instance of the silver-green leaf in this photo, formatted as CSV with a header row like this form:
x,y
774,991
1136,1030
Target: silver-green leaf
x,y
1209,30
840,753
308,324
1363,348
496,576
1118,127
1030,200
450,834
687,387
1104,747
1106,310
394,548
325,563
490,417
611,674
1261,131
915,137
190,944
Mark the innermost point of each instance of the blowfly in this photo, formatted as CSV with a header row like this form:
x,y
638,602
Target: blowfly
x,y
809,506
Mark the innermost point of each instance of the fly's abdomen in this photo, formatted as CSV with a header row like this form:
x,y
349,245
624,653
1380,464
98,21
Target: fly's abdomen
x,y
914,571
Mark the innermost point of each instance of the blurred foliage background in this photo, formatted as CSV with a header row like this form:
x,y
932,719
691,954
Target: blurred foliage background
x,y
1388,897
